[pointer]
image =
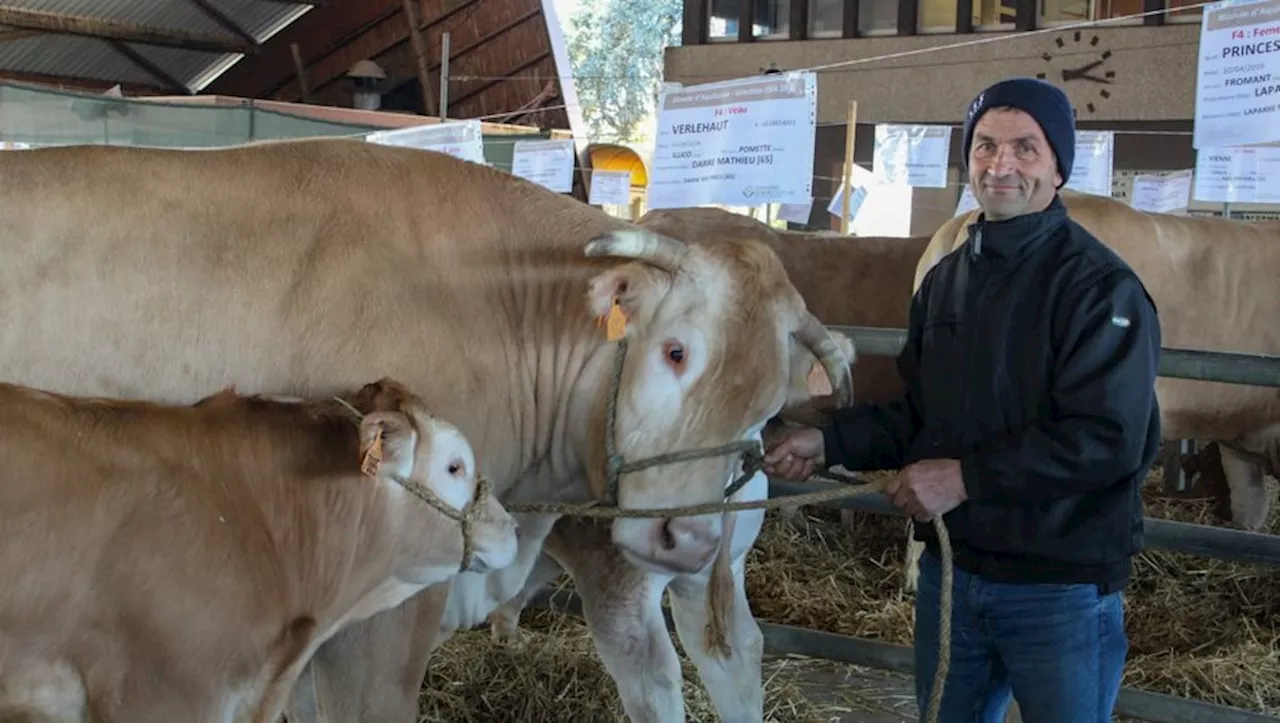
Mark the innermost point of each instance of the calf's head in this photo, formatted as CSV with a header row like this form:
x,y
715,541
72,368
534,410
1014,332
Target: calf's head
x,y
428,469
718,341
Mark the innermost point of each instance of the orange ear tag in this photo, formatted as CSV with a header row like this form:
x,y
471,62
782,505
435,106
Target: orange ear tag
x,y
616,323
374,457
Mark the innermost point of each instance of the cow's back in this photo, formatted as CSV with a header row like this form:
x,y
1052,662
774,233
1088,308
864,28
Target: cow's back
x,y
298,268
1213,283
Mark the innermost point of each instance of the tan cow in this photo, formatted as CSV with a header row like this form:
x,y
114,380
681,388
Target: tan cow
x,y
845,280
306,266
1214,284
166,563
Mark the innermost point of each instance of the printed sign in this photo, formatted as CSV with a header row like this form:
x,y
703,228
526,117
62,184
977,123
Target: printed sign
x,y
461,139
743,142
1091,172
1161,194
912,155
795,212
546,163
612,187
1238,79
1238,175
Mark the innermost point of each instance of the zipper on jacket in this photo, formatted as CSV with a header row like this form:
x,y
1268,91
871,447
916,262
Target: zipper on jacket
x,y
974,342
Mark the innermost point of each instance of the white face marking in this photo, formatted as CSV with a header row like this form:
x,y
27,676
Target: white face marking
x,y
657,398
450,467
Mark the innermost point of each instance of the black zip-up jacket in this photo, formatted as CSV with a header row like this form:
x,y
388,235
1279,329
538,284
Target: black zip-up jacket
x,y
1031,357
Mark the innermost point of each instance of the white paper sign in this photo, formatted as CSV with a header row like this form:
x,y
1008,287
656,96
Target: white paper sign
x,y
546,163
795,212
1161,194
1091,172
1238,79
612,187
855,202
912,155
1238,175
462,139
743,142
967,202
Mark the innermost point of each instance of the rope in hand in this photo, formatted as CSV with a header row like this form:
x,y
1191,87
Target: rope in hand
x,y
752,462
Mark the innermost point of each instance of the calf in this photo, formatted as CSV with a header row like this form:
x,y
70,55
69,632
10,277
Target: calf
x,y
169,563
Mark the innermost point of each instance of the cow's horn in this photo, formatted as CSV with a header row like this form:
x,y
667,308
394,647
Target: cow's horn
x,y
661,251
824,346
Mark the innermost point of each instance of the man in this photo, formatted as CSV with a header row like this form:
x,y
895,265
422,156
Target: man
x,y
1028,422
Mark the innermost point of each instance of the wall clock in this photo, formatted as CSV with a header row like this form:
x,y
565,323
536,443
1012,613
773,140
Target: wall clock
x,y
1077,63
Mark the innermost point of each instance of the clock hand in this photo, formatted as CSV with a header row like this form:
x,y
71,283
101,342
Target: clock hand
x,y
1074,73
1094,79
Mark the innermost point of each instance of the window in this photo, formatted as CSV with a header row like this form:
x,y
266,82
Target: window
x,y
723,21
773,18
1065,11
937,16
826,18
994,14
878,17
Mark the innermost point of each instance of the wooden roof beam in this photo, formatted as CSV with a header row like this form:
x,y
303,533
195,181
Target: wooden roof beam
x,y
226,21
92,85
150,68
115,30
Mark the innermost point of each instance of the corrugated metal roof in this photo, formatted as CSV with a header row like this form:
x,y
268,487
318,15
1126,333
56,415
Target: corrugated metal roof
x,y
107,59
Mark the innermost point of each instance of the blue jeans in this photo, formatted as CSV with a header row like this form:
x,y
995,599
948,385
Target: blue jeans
x,y
1058,649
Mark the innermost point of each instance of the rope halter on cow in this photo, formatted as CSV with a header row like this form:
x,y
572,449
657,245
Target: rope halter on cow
x,y
466,517
616,465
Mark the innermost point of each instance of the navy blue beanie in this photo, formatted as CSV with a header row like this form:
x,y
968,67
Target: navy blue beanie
x,y
1042,101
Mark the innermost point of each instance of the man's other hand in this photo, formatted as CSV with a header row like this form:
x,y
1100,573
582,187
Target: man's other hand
x,y
928,488
795,454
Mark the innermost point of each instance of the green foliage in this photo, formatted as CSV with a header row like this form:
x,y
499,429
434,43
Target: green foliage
x,y
616,49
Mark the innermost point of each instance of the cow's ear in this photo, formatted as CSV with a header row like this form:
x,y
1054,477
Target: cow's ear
x,y
387,444
635,287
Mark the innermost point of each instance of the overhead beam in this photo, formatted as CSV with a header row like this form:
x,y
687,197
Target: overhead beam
x,y
115,30
11,35
75,82
226,21
149,67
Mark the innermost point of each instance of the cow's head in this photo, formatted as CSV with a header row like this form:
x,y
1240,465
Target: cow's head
x,y
419,450
718,342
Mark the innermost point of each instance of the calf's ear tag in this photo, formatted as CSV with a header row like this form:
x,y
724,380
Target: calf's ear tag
x,y
373,457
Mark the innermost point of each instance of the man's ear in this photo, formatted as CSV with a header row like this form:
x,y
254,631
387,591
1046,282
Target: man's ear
x,y
387,442
637,287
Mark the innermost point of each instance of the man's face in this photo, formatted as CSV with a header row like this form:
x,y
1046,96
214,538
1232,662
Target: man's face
x,y
1012,168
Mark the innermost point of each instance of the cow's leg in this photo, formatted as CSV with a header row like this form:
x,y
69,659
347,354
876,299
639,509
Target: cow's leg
x,y
504,621
734,682
623,609
372,671
1249,501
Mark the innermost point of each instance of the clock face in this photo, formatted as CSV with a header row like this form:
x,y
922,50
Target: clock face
x,y
1077,63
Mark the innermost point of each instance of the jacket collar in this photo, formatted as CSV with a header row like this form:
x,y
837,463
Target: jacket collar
x,y
1012,237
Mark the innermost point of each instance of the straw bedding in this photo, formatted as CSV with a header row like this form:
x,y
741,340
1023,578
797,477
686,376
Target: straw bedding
x,y
1199,628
